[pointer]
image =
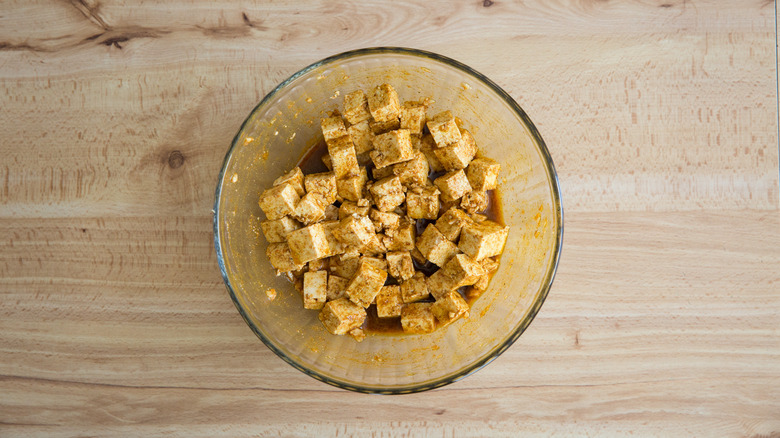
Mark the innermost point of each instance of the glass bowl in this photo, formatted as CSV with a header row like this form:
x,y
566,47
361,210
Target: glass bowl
x,y
277,134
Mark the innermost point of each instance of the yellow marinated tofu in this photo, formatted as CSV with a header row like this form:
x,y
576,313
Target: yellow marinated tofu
x,y
279,201
415,288
365,284
341,315
391,148
362,138
383,103
453,185
281,259
342,156
450,307
451,222
308,243
412,117
482,173
276,231
356,107
423,202
400,265
474,202
388,193
350,187
417,318
388,302
444,129
483,239
413,172
323,184
435,247
294,177
315,289
332,128
457,155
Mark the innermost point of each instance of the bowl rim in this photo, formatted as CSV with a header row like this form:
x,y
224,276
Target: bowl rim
x,y
546,282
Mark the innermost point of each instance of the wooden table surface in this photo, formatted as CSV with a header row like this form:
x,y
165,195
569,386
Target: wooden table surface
x,y
662,119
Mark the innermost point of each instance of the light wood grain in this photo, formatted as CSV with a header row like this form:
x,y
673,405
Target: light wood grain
x,y
661,117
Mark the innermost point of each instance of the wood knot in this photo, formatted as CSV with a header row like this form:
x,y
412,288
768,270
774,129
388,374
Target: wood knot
x,y
175,159
487,3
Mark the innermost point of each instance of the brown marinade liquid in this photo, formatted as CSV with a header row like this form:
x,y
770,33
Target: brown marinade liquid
x,y
311,162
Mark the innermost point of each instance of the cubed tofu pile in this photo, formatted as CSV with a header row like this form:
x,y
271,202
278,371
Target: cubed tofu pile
x,y
347,238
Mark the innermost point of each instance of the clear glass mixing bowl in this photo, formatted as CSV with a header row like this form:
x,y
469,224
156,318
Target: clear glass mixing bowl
x,y
275,137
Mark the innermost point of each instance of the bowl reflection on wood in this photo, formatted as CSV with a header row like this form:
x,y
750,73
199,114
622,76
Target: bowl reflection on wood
x,y
279,132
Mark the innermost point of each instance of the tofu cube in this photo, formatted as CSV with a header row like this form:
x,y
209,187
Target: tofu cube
x,y
483,239
490,265
333,128
457,155
308,243
388,302
450,307
310,209
392,147
331,213
318,265
413,172
428,148
375,262
474,202
387,193
335,247
453,185
365,284
349,208
344,265
323,184
383,103
483,173
422,202
355,230
341,315
384,127
327,161
315,289
294,177
375,246
337,287
357,334
480,285
276,231
403,239
400,264
444,129
415,288
418,318
463,270
362,137
281,259
435,247
413,117
382,173
342,156
279,201
351,187
356,107
451,222
439,283
385,220
476,217
417,256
